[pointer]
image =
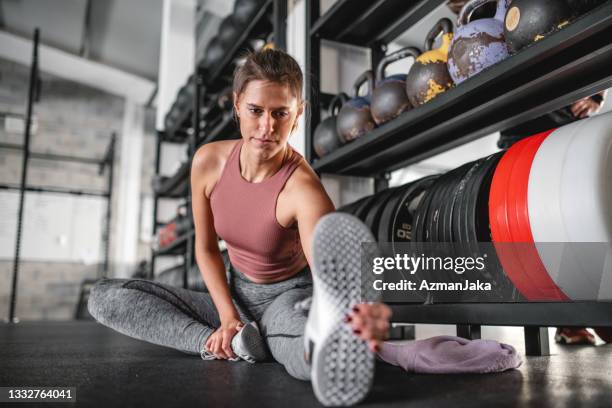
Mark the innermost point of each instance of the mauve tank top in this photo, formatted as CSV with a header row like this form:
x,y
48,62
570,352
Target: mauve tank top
x,y
245,217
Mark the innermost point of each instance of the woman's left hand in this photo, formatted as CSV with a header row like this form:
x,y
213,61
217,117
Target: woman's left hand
x,y
370,321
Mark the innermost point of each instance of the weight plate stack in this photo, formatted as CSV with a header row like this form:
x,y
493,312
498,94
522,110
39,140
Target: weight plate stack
x,y
447,245
586,205
397,220
374,213
352,207
518,221
479,231
517,265
569,201
386,218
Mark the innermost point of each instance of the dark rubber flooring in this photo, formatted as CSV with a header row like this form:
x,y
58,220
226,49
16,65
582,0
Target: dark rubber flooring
x,y
109,369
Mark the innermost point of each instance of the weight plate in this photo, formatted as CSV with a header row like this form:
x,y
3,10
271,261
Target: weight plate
x,y
518,222
385,225
351,208
587,173
544,201
431,220
445,224
470,243
373,217
586,191
401,225
500,230
503,287
449,202
362,211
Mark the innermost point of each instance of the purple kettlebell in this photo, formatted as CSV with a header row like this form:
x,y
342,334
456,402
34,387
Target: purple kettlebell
x,y
478,44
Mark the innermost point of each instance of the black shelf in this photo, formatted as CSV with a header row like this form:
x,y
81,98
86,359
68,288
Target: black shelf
x,y
552,73
181,130
580,314
224,130
176,186
213,76
178,247
364,23
174,137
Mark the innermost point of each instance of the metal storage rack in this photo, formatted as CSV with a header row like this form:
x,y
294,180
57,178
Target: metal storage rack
x,y
570,64
189,130
105,163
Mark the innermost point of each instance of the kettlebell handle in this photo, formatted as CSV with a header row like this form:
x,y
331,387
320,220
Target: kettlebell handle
x,y
395,56
466,11
337,102
443,26
361,79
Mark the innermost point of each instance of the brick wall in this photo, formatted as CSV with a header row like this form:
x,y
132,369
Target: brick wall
x,y
74,120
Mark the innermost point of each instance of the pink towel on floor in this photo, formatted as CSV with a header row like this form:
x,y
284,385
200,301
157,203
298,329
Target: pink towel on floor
x,y
450,355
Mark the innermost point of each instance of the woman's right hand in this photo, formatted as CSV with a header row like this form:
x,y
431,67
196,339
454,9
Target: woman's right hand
x,y
219,343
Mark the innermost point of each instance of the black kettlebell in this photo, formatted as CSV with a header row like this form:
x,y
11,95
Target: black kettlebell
x,y
245,10
214,52
389,98
325,139
429,75
228,31
354,118
528,21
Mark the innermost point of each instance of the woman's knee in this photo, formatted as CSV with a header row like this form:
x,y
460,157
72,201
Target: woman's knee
x,y
101,296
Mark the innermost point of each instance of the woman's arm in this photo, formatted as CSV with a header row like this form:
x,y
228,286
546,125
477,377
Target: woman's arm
x,y
370,321
208,257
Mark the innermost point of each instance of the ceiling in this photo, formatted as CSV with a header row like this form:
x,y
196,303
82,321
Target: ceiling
x,y
124,34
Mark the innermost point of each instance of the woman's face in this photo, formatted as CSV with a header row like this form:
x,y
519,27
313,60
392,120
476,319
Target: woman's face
x,y
268,113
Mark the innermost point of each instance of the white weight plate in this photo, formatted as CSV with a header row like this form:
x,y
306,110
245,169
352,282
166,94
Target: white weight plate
x,y
545,217
586,204
586,190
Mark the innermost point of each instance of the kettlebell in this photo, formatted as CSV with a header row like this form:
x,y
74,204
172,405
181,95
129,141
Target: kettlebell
x,y
214,53
429,75
528,21
389,97
228,31
478,44
354,118
325,139
245,10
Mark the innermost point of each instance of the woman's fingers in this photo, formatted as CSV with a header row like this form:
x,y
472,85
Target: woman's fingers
x,y
370,321
374,345
226,344
218,348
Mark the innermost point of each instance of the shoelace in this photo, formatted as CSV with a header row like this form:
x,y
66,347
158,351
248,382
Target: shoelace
x,y
207,355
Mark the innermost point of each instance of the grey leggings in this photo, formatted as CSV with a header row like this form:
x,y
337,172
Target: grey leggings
x,y
183,319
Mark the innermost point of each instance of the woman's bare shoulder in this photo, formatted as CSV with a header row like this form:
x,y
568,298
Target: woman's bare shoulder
x,y
212,155
304,178
209,161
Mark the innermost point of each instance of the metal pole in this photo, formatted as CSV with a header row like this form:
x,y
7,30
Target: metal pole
x,y
109,205
280,24
160,135
24,172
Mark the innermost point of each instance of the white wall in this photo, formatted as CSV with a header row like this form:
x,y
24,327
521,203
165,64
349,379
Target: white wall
x,y
176,55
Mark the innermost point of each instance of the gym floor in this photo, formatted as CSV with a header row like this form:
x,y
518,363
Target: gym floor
x,y
109,369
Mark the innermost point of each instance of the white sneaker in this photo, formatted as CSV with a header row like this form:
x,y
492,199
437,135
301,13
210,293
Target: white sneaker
x,y
247,344
342,365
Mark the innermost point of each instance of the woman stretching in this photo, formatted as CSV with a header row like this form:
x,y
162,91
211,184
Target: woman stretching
x,y
264,200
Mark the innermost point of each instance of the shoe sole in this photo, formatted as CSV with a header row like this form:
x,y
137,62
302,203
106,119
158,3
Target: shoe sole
x,y
342,364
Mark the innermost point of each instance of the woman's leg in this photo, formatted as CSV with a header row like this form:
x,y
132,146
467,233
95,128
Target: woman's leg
x,y
282,326
160,314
